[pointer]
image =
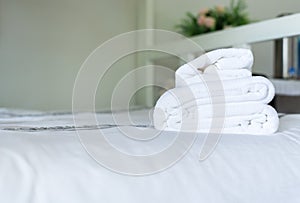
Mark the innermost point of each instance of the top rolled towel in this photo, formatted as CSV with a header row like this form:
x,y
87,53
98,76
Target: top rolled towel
x,y
231,63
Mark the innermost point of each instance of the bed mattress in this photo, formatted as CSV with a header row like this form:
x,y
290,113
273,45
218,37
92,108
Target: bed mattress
x,y
43,161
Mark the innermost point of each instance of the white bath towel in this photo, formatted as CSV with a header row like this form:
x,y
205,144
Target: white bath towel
x,y
237,118
212,73
216,91
256,89
229,63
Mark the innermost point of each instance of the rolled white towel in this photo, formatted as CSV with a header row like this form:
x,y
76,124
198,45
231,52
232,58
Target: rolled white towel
x,y
238,118
256,89
224,60
211,73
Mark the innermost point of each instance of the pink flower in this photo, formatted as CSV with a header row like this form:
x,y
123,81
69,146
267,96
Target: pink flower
x,y
201,20
220,9
203,11
210,22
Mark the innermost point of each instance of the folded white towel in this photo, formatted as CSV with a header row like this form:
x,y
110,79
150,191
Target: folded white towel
x,y
216,92
256,89
211,73
239,118
229,63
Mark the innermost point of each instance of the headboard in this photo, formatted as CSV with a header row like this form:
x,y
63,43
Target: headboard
x,y
267,30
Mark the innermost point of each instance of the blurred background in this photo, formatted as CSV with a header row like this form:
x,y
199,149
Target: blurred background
x,y
43,43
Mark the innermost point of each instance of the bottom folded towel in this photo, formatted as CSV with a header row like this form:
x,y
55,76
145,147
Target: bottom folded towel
x,y
236,118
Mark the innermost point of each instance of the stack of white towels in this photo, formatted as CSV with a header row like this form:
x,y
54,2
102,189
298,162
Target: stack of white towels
x,y
217,91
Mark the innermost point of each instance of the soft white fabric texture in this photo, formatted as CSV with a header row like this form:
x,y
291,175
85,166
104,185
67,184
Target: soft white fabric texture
x,y
211,84
229,63
211,74
52,166
258,89
240,118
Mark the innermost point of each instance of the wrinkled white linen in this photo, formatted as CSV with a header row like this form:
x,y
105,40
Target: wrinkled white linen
x,y
52,166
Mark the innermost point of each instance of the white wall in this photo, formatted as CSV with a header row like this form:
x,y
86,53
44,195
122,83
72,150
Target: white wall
x,y
169,12
44,42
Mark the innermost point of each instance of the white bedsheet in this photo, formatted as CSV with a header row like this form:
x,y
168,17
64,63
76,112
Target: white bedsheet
x,y
46,166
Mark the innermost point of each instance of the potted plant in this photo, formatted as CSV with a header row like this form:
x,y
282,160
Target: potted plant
x,y
213,19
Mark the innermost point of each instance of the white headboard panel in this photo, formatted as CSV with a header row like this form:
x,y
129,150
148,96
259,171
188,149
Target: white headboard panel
x,y
252,33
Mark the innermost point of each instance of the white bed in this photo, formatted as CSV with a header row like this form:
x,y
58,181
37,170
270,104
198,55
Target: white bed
x,y
46,165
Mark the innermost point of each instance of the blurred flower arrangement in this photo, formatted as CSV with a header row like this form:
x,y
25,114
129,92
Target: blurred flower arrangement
x,y
217,18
